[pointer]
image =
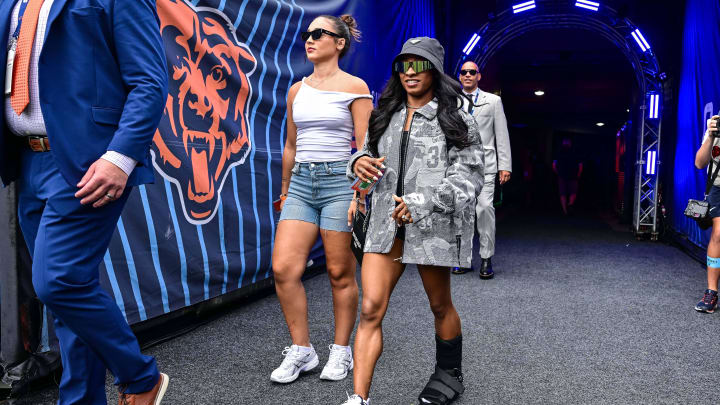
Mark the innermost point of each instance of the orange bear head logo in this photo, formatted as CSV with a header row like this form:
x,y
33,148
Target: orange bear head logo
x,y
204,130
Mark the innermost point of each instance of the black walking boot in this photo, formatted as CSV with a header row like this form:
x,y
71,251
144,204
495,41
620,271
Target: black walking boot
x,y
486,271
446,383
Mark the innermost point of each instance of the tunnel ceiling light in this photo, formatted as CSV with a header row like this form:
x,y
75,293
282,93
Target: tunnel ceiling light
x,y
471,44
528,5
539,93
640,39
590,5
600,124
650,162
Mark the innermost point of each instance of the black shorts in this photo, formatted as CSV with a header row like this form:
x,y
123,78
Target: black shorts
x,y
714,201
400,234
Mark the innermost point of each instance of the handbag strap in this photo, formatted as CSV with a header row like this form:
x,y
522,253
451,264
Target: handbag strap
x,y
711,177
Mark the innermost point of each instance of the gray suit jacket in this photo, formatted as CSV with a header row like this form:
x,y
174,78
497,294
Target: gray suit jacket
x,y
490,117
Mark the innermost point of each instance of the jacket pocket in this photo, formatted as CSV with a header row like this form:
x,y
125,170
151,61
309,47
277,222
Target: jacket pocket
x,y
106,115
86,11
438,238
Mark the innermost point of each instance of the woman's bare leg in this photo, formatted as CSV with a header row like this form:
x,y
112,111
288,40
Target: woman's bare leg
x,y
436,281
293,242
341,271
380,274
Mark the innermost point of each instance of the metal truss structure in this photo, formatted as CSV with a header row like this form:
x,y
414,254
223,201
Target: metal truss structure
x,y
530,16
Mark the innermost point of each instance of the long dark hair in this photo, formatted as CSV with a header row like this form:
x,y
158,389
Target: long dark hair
x,y
446,90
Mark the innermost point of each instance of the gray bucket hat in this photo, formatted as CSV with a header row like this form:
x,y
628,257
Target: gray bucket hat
x,y
426,47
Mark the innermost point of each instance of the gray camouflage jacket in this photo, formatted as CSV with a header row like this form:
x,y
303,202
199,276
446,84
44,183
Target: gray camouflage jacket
x,y
439,189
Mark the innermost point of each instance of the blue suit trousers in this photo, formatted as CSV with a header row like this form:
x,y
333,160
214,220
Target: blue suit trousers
x,y
68,241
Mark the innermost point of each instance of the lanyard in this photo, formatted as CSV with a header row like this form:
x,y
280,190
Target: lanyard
x,y
12,49
21,13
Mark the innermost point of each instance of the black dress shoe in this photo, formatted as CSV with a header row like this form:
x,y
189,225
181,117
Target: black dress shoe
x,y
462,270
486,270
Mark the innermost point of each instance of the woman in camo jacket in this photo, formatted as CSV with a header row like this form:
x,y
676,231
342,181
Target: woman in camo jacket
x,y
427,154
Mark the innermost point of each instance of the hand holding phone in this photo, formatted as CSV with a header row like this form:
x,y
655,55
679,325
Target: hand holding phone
x,y
714,126
368,169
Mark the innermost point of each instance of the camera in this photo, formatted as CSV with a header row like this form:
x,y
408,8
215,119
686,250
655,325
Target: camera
x,y
716,133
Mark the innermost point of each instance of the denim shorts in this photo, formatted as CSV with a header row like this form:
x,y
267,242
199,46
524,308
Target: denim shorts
x,y
319,193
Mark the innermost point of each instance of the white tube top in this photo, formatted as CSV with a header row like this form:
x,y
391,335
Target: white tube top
x,y
324,124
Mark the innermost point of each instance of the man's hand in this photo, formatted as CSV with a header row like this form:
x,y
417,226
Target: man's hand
x,y
712,126
368,169
504,176
102,184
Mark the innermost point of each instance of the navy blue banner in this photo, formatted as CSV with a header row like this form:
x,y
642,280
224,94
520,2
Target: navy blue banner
x,y
698,101
206,227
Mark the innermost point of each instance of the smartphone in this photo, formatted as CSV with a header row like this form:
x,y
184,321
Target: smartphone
x,y
277,205
365,186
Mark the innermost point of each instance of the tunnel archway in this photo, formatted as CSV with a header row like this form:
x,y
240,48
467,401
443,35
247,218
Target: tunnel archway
x,y
538,15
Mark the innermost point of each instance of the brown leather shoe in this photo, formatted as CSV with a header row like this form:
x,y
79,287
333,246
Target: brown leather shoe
x,y
152,397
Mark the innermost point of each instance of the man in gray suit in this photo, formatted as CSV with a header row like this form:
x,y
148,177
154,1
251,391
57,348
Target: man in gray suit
x,y
488,112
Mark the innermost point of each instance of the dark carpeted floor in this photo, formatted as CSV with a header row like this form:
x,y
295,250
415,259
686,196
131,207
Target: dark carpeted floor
x,y
577,313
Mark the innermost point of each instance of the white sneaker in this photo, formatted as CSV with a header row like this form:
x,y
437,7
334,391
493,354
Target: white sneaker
x,y
356,400
339,364
296,361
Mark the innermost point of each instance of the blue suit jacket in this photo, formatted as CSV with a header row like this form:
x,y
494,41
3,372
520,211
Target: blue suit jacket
x,y
103,85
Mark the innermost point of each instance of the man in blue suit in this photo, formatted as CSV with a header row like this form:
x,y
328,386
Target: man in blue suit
x,y
85,87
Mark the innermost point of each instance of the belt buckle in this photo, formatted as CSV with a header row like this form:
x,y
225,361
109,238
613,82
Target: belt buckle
x,y
37,143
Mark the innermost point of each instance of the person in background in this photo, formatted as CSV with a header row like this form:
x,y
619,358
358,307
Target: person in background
x,y
568,168
85,89
323,111
487,109
710,150
422,210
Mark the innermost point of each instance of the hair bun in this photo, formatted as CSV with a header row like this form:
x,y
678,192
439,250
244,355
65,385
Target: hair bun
x,y
352,26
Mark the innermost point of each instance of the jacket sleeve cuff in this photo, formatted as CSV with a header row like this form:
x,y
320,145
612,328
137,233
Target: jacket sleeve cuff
x,y
350,173
125,163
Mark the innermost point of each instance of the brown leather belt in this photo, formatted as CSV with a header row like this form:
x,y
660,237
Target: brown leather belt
x,y
38,143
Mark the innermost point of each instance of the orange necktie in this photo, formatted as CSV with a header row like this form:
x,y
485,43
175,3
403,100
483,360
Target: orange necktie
x,y
20,96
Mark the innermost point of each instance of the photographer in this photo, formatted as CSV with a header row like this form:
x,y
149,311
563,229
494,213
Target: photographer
x,y
710,149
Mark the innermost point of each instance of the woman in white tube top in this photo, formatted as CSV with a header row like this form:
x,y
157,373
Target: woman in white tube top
x,y
324,110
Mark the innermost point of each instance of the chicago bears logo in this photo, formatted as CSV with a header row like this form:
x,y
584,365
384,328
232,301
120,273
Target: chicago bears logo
x,y
204,129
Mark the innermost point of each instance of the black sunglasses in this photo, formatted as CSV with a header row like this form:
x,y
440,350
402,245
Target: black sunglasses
x,y
317,33
418,66
472,72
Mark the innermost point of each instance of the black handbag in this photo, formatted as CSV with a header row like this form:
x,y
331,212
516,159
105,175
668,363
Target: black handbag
x,y
700,210
359,227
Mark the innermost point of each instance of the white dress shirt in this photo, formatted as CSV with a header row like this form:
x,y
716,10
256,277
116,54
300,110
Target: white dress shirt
x,y
30,121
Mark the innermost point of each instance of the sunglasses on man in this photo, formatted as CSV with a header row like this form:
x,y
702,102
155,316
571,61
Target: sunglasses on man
x,y
317,33
471,72
417,66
